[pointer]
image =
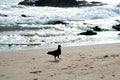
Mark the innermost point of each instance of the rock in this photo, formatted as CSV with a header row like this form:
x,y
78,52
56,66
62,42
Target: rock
x,y
59,3
27,2
23,15
88,32
54,3
56,22
95,3
3,15
106,56
96,28
117,27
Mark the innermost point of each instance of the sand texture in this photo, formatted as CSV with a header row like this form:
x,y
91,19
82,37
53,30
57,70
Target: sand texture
x,y
90,62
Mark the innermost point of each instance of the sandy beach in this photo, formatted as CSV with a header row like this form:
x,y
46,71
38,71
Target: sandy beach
x,y
89,62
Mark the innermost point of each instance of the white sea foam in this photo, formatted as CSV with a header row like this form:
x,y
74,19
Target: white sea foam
x,y
19,32
41,15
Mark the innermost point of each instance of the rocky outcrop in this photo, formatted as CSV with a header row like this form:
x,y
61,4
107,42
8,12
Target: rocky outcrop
x,y
54,3
93,3
88,32
117,27
56,22
96,28
27,2
59,3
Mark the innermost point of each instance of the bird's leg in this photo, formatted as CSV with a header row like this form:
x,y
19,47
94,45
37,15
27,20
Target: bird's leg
x,y
55,58
58,57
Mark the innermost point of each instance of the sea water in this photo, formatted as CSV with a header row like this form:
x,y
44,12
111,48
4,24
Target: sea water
x,y
18,32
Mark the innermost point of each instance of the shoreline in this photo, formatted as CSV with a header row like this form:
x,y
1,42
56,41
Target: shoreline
x,y
93,62
68,45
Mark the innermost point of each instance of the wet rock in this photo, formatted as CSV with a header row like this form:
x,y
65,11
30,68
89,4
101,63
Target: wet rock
x,y
96,28
59,3
88,32
95,3
23,15
27,2
9,45
55,3
56,22
3,15
116,27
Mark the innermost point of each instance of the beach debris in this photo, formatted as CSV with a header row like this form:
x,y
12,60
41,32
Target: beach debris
x,y
33,58
35,72
114,55
113,75
35,79
52,75
102,77
106,56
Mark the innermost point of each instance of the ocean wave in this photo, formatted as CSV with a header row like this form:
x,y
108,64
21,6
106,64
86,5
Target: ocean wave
x,y
42,15
21,28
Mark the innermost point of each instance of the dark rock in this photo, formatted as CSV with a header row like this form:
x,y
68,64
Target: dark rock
x,y
27,2
35,72
9,45
117,27
54,3
96,28
106,56
95,3
59,3
23,15
88,32
3,15
56,22
119,34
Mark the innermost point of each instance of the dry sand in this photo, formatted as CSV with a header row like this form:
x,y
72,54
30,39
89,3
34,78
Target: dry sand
x,y
91,62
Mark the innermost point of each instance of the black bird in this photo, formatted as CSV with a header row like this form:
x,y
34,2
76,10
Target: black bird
x,y
55,53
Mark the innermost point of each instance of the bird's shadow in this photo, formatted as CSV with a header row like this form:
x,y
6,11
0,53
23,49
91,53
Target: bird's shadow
x,y
54,61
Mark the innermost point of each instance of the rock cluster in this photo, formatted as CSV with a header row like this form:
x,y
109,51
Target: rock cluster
x,y
59,3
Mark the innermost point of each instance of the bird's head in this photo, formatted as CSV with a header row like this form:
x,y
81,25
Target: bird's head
x,y
59,46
